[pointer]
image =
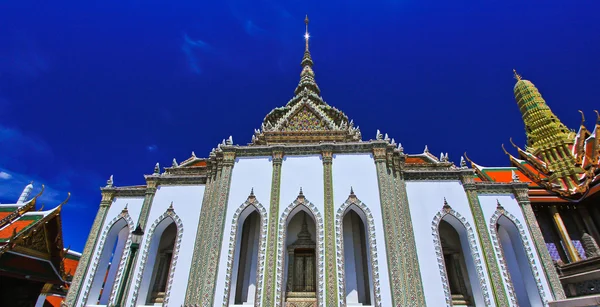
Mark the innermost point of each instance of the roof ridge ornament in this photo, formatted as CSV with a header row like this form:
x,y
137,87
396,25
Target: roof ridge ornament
x,y
157,169
109,182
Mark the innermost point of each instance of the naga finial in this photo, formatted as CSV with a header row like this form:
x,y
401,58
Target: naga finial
x,y
582,117
516,75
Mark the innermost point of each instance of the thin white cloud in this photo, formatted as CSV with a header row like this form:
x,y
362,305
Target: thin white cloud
x,y
151,148
5,175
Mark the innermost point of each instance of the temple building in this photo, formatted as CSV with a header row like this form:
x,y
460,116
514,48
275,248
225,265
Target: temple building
x,y
310,213
35,268
562,170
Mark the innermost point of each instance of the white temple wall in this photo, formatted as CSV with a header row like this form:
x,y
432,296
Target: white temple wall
x,y
488,205
248,173
134,206
358,171
304,172
187,202
426,199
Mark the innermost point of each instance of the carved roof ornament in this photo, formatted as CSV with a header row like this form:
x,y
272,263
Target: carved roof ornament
x,y
515,176
306,118
463,163
426,150
378,135
125,209
175,163
170,207
157,169
400,148
109,182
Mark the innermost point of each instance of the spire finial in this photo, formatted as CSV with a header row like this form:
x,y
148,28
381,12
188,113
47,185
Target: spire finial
x,y
306,35
517,76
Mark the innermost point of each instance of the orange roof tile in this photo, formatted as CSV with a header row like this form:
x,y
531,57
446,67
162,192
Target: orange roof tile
x,y
199,163
19,225
53,300
415,160
70,265
4,214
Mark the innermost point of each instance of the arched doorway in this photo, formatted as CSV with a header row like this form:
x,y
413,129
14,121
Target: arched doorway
x,y
301,259
455,265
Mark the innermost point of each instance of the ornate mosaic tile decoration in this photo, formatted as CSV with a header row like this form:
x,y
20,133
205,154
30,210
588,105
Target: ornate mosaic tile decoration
x,y
390,225
262,243
270,271
339,218
447,210
305,120
170,213
331,281
94,265
414,284
218,228
90,244
528,250
281,248
191,292
195,288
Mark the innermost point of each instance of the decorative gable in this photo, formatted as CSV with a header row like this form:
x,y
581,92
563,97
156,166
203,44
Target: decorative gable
x,y
305,120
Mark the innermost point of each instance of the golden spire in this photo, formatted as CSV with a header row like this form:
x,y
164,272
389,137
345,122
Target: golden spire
x,y
517,76
306,35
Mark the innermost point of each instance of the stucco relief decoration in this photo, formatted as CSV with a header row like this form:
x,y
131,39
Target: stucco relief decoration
x,y
529,250
281,248
102,240
339,218
252,201
447,210
170,213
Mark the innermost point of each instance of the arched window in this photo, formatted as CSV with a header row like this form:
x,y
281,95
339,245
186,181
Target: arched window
x,y
113,248
357,264
157,261
517,262
244,282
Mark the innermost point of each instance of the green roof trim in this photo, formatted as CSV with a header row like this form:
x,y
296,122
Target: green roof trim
x,y
8,209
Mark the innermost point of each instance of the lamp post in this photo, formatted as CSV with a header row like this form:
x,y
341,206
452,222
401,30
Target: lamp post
x,y
136,239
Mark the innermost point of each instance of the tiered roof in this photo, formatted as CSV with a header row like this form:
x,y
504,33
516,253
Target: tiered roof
x,y
556,159
306,118
31,242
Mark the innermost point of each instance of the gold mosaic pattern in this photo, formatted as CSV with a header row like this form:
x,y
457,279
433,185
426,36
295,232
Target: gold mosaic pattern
x,y
305,120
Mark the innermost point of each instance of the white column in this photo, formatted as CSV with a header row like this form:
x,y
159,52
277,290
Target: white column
x,y
350,262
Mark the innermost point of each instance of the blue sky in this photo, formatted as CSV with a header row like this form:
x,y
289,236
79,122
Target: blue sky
x,y
94,88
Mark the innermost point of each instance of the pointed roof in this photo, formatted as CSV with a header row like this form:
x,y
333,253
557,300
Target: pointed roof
x,y
31,243
556,159
306,118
